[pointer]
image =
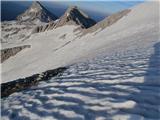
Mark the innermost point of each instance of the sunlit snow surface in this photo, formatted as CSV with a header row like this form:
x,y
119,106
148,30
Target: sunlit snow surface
x,y
49,50
119,86
122,83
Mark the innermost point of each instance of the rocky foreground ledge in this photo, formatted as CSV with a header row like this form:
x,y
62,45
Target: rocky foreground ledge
x,y
23,83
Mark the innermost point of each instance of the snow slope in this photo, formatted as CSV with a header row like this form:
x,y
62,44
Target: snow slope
x,y
114,87
121,83
138,29
40,57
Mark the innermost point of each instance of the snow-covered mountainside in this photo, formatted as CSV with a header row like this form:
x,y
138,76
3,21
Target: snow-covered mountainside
x,y
72,16
21,29
36,13
106,22
113,74
14,32
52,49
121,86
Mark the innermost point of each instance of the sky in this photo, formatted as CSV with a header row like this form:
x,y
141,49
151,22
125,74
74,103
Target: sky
x,y
111,6
102,6
97,10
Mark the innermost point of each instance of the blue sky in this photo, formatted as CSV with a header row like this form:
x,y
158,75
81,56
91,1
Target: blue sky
x,y
102,6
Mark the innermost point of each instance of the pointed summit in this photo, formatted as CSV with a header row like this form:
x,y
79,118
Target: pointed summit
x,y
36,13
36,4
75,16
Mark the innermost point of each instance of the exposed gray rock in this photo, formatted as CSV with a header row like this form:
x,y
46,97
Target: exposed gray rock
x,y
23,83
36,13
7,53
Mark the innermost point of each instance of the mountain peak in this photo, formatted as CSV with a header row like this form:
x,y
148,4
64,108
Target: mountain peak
x,y
74,9
70,8
36,12
74,15
36,4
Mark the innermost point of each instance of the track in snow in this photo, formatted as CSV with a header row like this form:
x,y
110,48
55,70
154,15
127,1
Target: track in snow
x,y
121,86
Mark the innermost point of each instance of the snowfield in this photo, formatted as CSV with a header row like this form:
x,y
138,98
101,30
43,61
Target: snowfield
x,y
112,75
113,87
50,50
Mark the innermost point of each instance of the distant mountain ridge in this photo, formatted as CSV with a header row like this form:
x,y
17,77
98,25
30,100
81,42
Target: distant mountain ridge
x,y
72,16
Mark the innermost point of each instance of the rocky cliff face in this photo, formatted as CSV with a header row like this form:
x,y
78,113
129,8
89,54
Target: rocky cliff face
x,y
75,16
36,13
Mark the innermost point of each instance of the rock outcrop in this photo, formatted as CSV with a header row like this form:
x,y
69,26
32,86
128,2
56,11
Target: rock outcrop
x,y
23,83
